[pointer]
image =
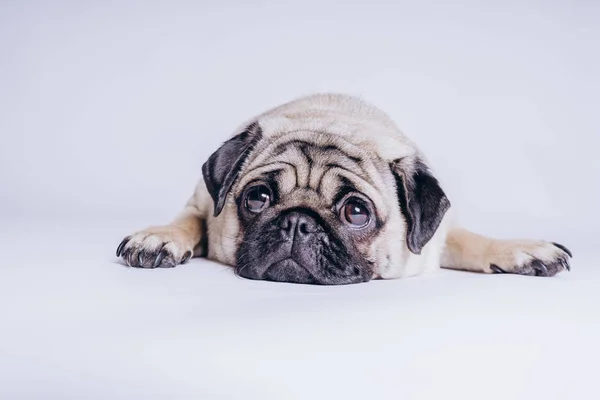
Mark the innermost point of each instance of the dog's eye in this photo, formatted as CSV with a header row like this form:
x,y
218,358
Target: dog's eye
x,y
355,214
258,198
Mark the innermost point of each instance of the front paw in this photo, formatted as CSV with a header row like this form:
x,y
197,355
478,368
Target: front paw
x,y
160,247
530,258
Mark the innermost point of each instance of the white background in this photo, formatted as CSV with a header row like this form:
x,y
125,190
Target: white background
x,y
109,108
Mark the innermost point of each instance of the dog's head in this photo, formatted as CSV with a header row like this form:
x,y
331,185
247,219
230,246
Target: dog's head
x,y
313,207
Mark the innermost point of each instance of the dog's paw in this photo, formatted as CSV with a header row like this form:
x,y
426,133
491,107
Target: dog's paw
x,y
158,247
529,258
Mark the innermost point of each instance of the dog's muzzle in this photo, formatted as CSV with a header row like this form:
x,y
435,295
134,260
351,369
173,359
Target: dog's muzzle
x,y
295,254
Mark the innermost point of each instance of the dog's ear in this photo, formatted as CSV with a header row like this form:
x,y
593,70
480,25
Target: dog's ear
x,y
422,201
223,166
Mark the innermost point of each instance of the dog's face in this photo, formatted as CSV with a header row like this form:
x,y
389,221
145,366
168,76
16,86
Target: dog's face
x,y
309,207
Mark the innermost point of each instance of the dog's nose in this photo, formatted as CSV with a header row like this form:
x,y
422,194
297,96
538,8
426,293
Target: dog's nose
x,y
298,226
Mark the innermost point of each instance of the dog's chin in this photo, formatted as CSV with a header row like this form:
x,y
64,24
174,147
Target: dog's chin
x,y
288,270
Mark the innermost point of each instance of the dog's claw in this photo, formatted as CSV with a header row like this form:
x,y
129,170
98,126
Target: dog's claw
x,y
140,259
122,245
159,258
565,264
130,258
186,257
563,248
539,267
497,269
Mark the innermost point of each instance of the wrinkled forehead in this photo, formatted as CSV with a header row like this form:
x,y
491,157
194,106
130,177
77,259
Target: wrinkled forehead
x,y
316,163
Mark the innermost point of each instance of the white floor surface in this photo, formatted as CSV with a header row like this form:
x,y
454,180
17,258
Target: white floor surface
x,y
76,324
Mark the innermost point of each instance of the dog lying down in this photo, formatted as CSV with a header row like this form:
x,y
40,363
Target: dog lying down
x,y
326,190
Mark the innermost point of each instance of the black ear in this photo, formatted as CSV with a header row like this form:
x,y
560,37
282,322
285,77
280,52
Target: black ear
x,y
422,201
223,166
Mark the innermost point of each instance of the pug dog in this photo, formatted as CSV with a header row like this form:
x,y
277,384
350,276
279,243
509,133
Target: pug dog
x,y
327,190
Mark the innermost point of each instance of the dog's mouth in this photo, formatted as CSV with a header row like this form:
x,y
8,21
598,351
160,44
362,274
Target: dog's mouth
x,y
291,271
288,270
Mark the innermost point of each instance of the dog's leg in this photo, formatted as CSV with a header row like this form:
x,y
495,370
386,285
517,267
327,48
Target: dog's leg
x,y
469,251
168,245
